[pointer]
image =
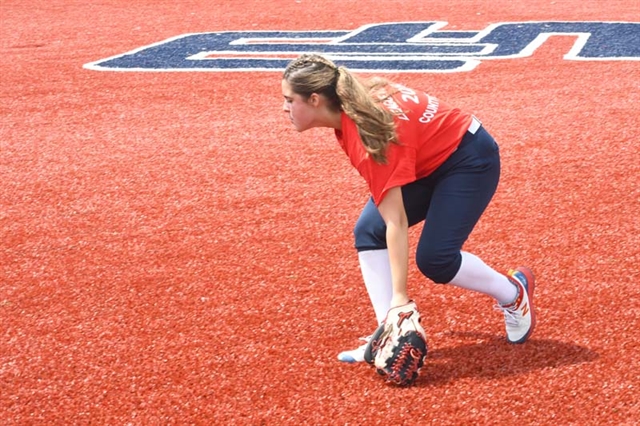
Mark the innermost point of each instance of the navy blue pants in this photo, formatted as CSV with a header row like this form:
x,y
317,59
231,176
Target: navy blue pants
x,y
450,201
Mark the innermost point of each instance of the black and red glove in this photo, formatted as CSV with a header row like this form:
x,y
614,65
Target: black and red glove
x,y
398,347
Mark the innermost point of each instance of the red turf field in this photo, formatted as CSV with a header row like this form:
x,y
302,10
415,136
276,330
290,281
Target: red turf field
x,y
172,252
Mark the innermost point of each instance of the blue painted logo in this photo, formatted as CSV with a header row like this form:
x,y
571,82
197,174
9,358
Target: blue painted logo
x,y
383,47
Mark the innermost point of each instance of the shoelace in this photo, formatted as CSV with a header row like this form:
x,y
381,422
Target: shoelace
x,y
511,315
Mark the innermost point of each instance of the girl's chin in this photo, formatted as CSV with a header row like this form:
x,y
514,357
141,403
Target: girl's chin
x,y
298,127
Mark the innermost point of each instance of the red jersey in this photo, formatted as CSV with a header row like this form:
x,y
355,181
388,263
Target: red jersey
x,y
428,132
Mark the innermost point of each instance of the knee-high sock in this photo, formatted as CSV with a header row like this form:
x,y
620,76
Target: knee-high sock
x,y
476,275
376,272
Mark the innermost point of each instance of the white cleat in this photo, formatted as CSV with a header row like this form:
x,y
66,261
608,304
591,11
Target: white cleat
x,y
354,355
520,316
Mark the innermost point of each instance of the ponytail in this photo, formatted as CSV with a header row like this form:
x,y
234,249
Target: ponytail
x,y
311,73
375,124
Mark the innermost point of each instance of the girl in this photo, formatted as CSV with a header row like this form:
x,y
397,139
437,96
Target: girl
x,y
422,161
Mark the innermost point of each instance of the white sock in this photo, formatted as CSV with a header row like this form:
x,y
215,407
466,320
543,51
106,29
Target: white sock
x,y
376,273
476,275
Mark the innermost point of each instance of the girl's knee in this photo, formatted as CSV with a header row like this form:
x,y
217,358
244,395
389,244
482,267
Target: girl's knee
x,y
369,234
438,266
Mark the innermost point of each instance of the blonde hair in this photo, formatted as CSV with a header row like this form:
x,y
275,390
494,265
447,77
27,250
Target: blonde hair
x,y
312,73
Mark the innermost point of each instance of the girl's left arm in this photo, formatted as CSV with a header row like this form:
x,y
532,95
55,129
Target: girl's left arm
x,y
392,210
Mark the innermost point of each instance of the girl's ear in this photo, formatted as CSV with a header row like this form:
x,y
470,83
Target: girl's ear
x,y
314,100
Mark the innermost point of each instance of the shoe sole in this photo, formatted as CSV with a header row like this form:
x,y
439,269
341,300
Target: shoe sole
x,y
348,359
531,283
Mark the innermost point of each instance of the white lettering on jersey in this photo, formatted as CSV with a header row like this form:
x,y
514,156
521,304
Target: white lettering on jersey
x,y
391,105
430,112
407,95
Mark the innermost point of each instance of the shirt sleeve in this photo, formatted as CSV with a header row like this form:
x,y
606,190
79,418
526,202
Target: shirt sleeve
x,y
398,171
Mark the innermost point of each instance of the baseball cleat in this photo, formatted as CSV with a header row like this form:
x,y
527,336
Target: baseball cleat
x,y
520,316
354,355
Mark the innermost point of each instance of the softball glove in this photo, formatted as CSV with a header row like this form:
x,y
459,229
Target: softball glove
x,y
398,347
